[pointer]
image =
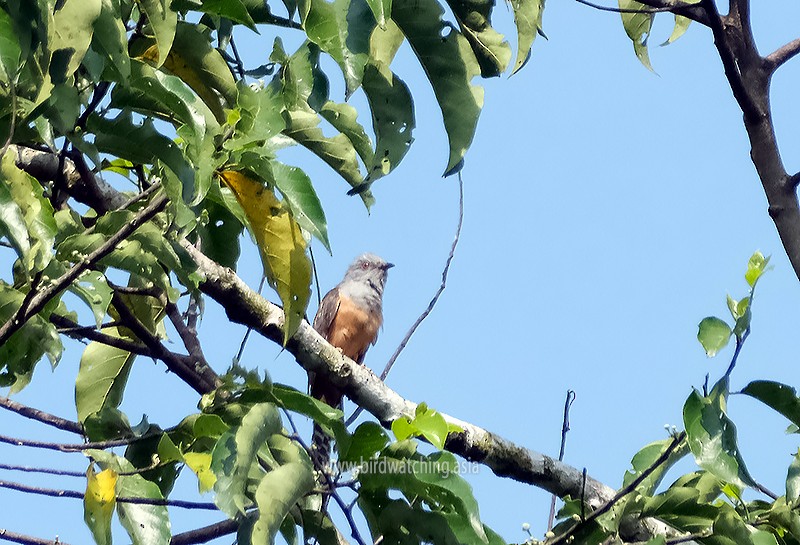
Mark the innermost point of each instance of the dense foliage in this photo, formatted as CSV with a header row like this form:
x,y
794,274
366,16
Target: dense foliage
x,y
154,97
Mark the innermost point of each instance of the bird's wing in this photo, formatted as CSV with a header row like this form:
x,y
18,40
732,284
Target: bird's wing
x,y
327,312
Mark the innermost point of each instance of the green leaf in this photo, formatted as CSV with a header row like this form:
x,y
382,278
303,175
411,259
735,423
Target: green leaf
x,y
392,119
23,350
682,508
110,38
198,64
450,65
793,480
163,22
259,117
235,10
756,267
528,19
70,36
342,29
489,46
344,119
381,10
141,144
712,438
729,528
10,50
780,397
278,491
37,213
298,192
219,234
102,376
236,452
329,418
432,426
713,334
644,460
637,27
93,289
681,25
368,439
12,221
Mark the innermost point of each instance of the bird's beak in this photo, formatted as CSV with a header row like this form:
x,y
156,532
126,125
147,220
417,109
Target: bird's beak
x,y
388,266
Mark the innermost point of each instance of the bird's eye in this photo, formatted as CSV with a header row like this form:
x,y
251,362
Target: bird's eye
x,y
365,265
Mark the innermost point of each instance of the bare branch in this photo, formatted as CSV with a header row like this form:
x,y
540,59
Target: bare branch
x,y
14,537
781,55
188,336
41,416
75,494
75,331
442,286
44,470
75,447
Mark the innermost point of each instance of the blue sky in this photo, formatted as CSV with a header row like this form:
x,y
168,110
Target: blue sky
x,y
608,210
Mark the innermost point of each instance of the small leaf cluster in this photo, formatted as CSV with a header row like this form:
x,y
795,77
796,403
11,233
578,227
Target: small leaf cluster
x,y
709,505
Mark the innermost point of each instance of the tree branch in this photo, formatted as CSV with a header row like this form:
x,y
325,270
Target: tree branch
x,y
197,375
244,306
568,536
695,12
41,416
206,533
38,301
46,166
75,494
781,55
72,329
14,537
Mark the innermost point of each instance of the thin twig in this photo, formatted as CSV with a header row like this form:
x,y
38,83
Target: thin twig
x,y
190,340
76,494
44,296
14,537
433,300
240,352
736,351
88,332
45,470
442,286
623,10
41,416
565,537
237,59
75,447
564,430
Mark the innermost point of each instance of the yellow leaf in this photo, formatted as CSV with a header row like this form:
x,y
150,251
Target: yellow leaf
x,y
98,503
200,463
282,245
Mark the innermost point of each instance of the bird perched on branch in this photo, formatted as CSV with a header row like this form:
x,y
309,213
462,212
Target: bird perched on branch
x,y
349,318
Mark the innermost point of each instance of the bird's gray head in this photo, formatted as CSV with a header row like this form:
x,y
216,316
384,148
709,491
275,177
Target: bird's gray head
x,y
369,270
